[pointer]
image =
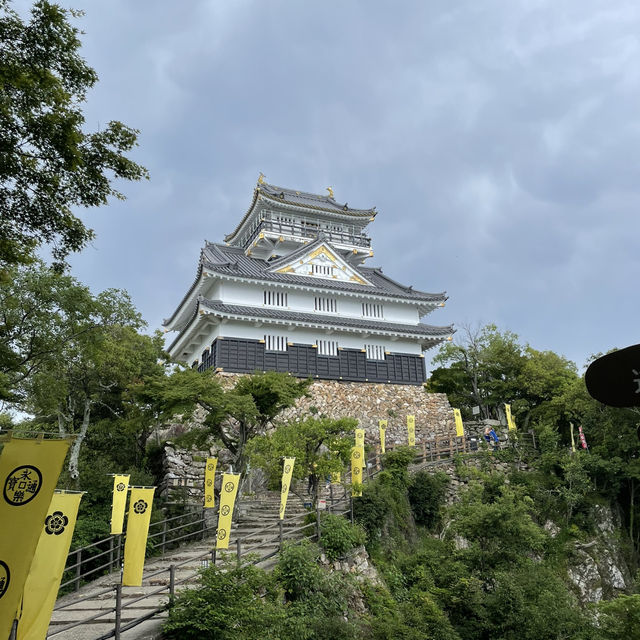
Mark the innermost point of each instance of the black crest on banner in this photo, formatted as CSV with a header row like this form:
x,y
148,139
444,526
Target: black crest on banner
x,y
140,506
5,578
22,485
56,523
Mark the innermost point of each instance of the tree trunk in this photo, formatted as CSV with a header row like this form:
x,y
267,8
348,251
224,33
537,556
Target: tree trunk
x,y
75,447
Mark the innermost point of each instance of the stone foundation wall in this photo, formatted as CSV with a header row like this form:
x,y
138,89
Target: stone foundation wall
x,y
366,402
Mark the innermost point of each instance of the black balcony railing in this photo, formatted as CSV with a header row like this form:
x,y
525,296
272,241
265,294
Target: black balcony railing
x,y
308,230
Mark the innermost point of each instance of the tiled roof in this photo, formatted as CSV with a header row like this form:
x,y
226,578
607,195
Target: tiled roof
x,y
310,201
416,330
233,262
325,202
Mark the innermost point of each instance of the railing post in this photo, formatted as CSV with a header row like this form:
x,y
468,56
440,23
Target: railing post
x,y
164,537
78,568
172,583
238,549
213,556
111,553
424,451
317,518
116,631
431,445
280,534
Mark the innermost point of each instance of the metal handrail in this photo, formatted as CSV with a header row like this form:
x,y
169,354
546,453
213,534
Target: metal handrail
x,y
280,537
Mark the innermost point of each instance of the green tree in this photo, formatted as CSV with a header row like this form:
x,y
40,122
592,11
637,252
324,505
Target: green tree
x,y
480,368
88,374
321,446
48,163
234,416
41,312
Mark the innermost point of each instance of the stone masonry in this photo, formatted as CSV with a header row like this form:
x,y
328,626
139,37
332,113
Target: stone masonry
x,y
366,402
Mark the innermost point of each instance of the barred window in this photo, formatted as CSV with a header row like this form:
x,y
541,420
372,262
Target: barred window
x,y
321,270
370,310
275,343
275,298
327,347
326,304
374,351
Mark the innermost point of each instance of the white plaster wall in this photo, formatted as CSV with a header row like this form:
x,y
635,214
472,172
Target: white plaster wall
x,y
252,295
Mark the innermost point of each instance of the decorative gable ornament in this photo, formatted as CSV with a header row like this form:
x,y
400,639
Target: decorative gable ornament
x,y
319,262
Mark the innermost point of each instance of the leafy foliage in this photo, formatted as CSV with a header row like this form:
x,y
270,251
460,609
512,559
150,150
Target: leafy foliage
x,y
234,416
49,163
321,446
426,494
337,535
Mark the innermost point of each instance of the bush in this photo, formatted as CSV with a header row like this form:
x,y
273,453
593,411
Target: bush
x,y
426,496
338,535
230,604
297,570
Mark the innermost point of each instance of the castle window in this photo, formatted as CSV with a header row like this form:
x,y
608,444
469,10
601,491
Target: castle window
x,y
327,347
321,270
374,351
370,310
329,305
274,298
275,343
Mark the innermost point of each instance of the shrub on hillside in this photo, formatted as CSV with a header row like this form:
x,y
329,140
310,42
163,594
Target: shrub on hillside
x,y
338,535
427,493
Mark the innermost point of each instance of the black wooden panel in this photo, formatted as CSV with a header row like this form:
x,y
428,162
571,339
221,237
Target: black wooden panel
x,y
246,356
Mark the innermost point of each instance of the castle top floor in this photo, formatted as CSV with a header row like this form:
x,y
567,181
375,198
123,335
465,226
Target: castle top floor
x,y
279,221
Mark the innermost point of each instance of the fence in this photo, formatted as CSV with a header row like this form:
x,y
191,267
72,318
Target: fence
x,y
172,531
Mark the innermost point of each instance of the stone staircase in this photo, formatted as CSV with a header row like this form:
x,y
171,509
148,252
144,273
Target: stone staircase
x,y
98,597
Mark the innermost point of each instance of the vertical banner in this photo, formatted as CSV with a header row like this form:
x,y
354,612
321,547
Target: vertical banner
x,y
210,483
360,443
573,441
135,546
382,425
230,482
583,441
356,472
29,471
287,473
459,426
118,503
47,567
510,421
411,430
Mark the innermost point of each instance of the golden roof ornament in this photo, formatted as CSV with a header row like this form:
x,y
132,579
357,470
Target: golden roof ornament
x,y
261,178
330,190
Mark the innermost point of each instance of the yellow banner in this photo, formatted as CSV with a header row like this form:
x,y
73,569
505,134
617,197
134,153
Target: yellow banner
x,y
287,472
135,545
356,471
411,430
210,483
29,471
511,423
360,443
382,424
459,426
118,503
45,574
230,482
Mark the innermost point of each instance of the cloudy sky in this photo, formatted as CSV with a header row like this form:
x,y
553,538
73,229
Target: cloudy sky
x,y
499,140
